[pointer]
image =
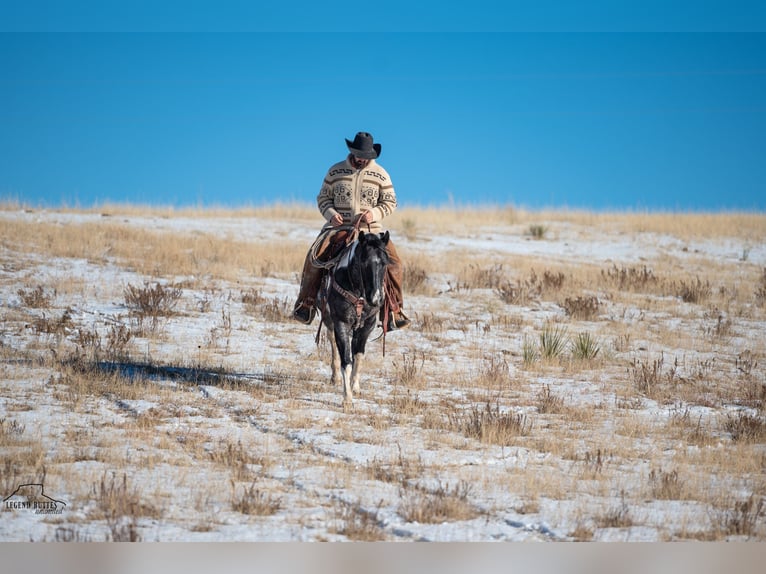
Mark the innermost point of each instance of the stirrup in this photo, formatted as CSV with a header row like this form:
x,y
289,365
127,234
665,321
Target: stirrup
x,y
395,323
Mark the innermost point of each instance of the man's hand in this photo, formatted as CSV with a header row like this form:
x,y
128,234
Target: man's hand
x,y
337,220
366,217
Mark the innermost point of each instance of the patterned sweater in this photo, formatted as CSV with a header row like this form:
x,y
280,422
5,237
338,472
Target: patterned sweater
x,y
350,191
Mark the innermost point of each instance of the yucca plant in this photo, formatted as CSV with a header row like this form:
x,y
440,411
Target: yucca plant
x,y
585,347
552,342
529,351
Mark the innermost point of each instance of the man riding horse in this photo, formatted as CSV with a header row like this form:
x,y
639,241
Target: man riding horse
x,y
359,191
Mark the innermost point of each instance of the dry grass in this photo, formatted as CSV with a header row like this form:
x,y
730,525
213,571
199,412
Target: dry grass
x,y
252,500
443,504
611,386
490,424
356,523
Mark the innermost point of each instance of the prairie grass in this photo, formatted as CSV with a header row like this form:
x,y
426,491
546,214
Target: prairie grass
x,y
121,505
356,523
615,386
549,402
582,307
254,501
443,504
491,424
155,253
35,298
151,302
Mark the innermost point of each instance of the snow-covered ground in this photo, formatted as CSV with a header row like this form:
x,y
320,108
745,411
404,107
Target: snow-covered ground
x,y
220,424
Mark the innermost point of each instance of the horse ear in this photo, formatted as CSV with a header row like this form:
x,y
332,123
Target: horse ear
x,y
361,236
385,237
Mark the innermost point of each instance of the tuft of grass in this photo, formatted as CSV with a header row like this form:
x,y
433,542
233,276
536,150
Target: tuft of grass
x,y
490,425
117,340
636,279
358,524
409,370
237,457
271,310
407,404
121,505
693,432
251,500
441,505
529,353
616,517
151,301
35,298
760,290
552,281
585,347
476,277
651,379
495,373
530,289
415,279
582,307
552,342
430,323
537,231
57,326
277,310
694,292
548,402
252,300
739,517
721,331
746,427
514,293
665,485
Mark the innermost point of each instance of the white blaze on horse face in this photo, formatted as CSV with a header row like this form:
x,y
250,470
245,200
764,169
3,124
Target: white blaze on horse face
x,y
377,298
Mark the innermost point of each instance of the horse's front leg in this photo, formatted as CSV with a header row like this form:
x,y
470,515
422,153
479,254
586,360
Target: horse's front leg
x,y
355,372
358,344
343,343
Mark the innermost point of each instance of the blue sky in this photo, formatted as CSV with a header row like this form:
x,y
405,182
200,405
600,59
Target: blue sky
x,y
599,120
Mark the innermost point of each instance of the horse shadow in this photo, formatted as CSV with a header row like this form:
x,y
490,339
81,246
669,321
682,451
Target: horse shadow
x,y
194,376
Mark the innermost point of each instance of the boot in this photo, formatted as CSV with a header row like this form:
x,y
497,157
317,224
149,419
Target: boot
x,y
311,279
394,278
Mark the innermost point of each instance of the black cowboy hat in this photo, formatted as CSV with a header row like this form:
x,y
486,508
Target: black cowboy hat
x,y
363,147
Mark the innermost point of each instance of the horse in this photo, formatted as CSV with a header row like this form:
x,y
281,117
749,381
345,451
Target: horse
x,y
350,302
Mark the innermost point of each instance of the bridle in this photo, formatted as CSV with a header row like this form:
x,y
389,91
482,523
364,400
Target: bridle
x,y
356,300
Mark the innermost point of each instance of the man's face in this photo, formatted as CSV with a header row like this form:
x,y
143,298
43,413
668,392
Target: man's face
x,y
359,162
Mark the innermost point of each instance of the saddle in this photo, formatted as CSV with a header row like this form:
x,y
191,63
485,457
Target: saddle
x,y
329,244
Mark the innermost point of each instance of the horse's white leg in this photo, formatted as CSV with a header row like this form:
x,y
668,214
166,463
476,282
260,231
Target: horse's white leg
x,y
355,372
347,390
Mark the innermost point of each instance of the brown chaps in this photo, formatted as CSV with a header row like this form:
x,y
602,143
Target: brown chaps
x,y
311,280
